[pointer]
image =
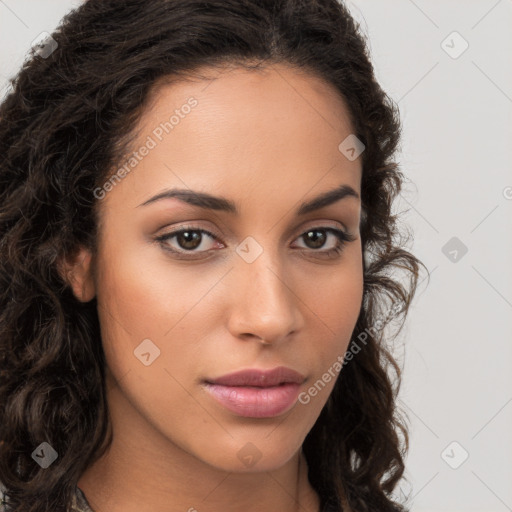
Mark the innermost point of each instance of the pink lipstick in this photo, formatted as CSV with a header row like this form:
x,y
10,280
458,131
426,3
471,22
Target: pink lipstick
x,y
257,393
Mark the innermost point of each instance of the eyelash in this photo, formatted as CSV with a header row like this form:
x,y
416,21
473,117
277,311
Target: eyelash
x,y
342,236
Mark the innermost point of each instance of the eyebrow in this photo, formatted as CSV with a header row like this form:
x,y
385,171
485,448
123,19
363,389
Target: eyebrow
x,y
210,202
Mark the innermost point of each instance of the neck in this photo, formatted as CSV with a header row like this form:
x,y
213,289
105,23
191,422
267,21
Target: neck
x,y
166,478
109,489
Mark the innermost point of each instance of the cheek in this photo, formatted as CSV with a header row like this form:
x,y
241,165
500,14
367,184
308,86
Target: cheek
x,y
145,294
336,311
153,313
347,287
335,296
148,336
335,302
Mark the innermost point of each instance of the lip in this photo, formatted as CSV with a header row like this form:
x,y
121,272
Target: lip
x,y
257,393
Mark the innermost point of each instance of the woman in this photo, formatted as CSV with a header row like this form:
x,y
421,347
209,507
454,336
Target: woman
x,y
198,260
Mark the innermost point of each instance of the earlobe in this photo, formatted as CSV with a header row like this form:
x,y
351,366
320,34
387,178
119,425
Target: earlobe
x,y
77,272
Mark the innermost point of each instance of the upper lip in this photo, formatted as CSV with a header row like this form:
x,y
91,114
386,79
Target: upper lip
x,y
260,378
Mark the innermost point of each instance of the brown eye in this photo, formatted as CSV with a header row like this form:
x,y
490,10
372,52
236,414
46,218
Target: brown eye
x,y
317,238
188,240
191,242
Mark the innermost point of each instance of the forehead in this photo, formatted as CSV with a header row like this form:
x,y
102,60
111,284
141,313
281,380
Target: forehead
x,y
241,128
268,94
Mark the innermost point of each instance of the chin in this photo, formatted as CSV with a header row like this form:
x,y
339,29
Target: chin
x,y
250,454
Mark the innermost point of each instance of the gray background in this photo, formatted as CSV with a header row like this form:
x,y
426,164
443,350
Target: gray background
x,y
456,348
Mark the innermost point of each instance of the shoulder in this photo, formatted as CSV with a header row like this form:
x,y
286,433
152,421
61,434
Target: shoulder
x,y
2,502
79,502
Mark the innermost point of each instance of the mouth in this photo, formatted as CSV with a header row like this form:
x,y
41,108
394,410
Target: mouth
x,y
257,393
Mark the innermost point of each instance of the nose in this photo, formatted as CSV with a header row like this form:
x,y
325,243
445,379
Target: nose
x,y
264,305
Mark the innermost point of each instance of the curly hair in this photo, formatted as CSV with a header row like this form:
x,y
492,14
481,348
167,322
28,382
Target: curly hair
x,y
67,122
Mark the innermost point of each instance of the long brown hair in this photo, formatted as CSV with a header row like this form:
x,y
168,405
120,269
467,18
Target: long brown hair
x,y
67,123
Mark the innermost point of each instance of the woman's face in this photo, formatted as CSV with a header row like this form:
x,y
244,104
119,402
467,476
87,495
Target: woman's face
x,y
265,289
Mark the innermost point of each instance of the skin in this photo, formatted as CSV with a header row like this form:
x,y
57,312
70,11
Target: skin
x,y
267,140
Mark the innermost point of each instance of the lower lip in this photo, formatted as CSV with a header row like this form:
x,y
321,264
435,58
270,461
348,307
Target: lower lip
x,y
252,402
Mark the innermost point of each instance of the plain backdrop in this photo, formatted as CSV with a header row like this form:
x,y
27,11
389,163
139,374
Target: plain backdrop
x,y
448,66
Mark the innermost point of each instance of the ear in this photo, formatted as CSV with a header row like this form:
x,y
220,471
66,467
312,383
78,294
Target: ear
x,y
77,270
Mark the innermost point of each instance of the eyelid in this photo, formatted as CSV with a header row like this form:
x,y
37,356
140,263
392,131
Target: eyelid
x,y
343,236
190,226
322,224
304,227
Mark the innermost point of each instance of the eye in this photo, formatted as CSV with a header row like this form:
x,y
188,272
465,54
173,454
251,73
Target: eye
x,y
191,241
317,237
188,240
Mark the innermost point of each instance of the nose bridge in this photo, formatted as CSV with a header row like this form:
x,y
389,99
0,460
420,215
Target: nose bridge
x,y
264,304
